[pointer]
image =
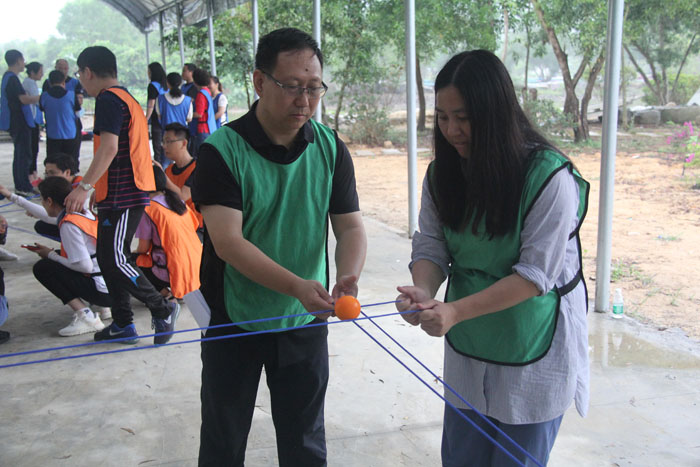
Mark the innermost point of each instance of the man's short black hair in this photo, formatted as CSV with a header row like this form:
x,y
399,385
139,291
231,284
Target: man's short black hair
x,y
63,162
56,77
283,40
33,67
190,66
180,130
100,60
56,189
11,56
201,77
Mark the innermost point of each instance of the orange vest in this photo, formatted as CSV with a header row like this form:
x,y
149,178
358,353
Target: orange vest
x,y
182,247
138,148
179,181
83,222
76,180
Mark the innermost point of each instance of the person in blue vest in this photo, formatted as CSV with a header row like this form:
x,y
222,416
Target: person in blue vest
x,y
59,106
220,102
269,185
500,213
71,84
204,110
156,88
35,71
174,106
16,117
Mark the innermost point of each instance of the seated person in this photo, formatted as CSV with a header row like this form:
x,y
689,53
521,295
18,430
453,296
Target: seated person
x,y
169,251
180,173
56,165
73,275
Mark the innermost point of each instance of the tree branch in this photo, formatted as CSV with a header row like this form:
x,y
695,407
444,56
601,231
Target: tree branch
x,y
685,56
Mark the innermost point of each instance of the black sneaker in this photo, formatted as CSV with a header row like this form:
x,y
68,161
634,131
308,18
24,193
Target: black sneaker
x,y
165,327
4,337
114,332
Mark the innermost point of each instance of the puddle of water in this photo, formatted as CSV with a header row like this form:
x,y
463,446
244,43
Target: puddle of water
x,y
616,344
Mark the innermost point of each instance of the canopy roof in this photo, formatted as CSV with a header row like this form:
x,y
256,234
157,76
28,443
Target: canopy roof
x,y
145,14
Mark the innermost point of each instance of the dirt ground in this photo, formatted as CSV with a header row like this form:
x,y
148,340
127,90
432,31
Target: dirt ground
x,y
656,240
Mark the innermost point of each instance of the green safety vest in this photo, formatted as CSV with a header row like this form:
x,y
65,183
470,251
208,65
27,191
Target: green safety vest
x,y
521,334
285,215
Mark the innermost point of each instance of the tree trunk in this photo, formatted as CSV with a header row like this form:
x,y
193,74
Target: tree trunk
x,y
571,101
625,119
421,96
592,76
506,26
652,86
685,56
527,57
336,118
247,92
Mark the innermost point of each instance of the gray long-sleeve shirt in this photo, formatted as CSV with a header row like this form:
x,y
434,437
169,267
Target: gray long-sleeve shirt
x,y
544,389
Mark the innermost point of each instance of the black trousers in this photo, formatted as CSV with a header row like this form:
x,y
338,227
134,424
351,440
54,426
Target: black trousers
x,y
35,148
296,366
157,142
115,231
67,284
65,146
47,230
78,141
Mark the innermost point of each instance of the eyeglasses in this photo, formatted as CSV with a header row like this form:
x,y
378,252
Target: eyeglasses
x,y
294,91
168,141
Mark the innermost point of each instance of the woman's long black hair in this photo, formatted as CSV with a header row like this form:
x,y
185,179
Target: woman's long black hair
x,y
157,74
172,198
488,183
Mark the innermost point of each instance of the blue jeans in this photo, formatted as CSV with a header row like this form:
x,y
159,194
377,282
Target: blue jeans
x,y
463,445
22,139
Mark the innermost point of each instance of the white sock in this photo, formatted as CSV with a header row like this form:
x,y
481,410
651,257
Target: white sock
x,y
88,313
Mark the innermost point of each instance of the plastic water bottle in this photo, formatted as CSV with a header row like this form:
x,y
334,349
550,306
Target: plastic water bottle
x,y
618,304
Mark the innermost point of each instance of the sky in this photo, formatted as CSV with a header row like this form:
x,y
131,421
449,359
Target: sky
x,y
34,19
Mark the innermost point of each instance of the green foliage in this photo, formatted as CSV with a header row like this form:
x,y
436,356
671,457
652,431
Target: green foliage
x,y
368,121
686,87
548,118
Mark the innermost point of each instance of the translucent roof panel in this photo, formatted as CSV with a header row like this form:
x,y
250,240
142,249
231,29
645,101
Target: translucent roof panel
x,y
145,14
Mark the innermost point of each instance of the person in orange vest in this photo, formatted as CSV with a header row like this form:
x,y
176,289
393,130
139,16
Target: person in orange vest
x,y
122,174
73,275
181,172
169,249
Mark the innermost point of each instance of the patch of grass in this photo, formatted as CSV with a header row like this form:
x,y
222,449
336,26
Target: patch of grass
x,y
668,238
622,269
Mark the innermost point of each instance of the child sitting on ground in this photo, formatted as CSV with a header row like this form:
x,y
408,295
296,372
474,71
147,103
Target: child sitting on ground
x,y
73,275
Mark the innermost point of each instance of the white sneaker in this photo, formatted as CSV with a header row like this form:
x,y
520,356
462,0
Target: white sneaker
x,y
7,255
105,312
81,324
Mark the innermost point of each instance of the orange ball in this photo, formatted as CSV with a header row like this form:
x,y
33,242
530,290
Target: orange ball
x,y
347,307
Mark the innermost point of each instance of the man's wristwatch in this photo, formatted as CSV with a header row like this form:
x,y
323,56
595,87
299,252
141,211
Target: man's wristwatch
x,y
85,186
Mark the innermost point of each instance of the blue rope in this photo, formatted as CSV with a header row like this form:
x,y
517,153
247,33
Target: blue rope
x,y
12,202
25,231
11,210
483,417
251,333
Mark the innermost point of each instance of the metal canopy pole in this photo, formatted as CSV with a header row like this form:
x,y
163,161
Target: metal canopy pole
x,y
180,40
607,166
318,116
210,22
162,42
412,142
148,54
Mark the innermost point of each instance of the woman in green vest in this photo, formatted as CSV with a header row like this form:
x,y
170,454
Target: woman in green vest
x,y
500,214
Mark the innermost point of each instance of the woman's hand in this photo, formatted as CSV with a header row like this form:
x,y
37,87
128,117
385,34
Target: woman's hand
x,y
436,318
409,299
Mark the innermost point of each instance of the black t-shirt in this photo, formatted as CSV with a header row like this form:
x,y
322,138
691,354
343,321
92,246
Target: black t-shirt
x,y
214,184
177,171
13,90
153,94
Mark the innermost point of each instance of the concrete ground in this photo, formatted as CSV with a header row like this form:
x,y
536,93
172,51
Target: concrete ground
x,y
141,408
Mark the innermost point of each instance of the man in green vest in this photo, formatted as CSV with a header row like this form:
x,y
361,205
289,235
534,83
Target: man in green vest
x,y
267,185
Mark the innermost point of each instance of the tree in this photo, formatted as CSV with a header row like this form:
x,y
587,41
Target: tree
x,y
664,34
583,25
